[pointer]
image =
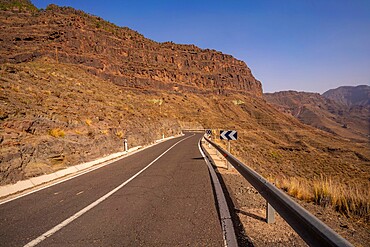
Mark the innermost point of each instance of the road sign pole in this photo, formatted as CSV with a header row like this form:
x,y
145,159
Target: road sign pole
x,y
228,149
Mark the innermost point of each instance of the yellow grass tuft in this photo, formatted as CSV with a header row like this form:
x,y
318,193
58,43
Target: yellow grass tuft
x,y
78,132
238,102
88,122
104,132
119,134
57,132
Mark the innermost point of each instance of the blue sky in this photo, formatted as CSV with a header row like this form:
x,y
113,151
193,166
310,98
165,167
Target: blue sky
x,y
303,45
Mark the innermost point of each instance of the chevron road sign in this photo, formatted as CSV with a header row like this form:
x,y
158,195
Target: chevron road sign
x,y
209,132
228,135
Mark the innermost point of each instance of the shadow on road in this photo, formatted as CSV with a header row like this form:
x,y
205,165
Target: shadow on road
x,y
198,158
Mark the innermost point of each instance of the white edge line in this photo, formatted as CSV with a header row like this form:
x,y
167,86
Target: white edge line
x,y
92,205
226,222
82,172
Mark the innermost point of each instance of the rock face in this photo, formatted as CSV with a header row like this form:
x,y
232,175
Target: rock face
x,y
350,96
120,55
335,117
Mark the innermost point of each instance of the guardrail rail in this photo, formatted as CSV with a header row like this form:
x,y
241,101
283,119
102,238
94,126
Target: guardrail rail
x,y
313,231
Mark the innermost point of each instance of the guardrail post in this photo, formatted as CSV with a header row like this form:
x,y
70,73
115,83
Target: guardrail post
x,y
270,213
227,162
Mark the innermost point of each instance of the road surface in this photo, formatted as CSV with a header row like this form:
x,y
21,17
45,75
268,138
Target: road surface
x,y
170,203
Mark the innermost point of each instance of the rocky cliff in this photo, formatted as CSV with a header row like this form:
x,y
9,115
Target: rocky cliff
x,y
117,54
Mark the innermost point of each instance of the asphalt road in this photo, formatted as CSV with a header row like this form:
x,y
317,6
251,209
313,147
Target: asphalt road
x,y
171,203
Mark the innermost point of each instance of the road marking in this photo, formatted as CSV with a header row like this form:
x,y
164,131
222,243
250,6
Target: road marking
x,y
97,202
79,193
90,169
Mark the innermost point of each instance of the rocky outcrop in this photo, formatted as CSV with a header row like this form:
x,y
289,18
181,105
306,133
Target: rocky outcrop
x,y
120,55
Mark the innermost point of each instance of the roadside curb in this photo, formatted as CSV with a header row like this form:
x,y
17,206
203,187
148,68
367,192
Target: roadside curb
x,y
22,185
224,213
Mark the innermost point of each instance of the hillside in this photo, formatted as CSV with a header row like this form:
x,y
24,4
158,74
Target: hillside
x,y
349,95
73,86
350,122
93,115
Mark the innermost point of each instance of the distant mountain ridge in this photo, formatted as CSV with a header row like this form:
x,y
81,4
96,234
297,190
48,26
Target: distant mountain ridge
x,y
344,111
350,95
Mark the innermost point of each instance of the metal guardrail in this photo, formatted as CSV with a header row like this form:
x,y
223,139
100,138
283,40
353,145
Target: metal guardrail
x,y
193,130
313,231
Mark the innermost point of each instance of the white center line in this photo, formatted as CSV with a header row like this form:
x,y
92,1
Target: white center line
x,y
92,205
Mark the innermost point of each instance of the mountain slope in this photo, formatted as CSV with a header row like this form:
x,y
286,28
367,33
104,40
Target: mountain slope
x,y
323,113
349,95
43,97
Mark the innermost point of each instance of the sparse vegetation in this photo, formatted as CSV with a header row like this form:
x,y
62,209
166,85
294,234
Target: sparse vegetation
x,y
156,101
57,132
238,102
78,132
324,191
19,5
120,134
88,122
104,132
275,155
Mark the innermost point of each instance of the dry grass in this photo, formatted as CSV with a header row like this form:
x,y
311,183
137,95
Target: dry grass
x,y
104,132
57,132
88,122
156,101
238,102
348,200
120,134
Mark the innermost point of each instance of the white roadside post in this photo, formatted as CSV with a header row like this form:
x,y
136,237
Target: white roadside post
x,y
125,146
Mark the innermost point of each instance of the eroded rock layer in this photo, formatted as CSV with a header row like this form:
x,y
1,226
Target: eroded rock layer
x,y
120,55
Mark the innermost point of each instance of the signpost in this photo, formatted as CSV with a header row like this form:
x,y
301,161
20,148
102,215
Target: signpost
x,y
209,134
228,135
